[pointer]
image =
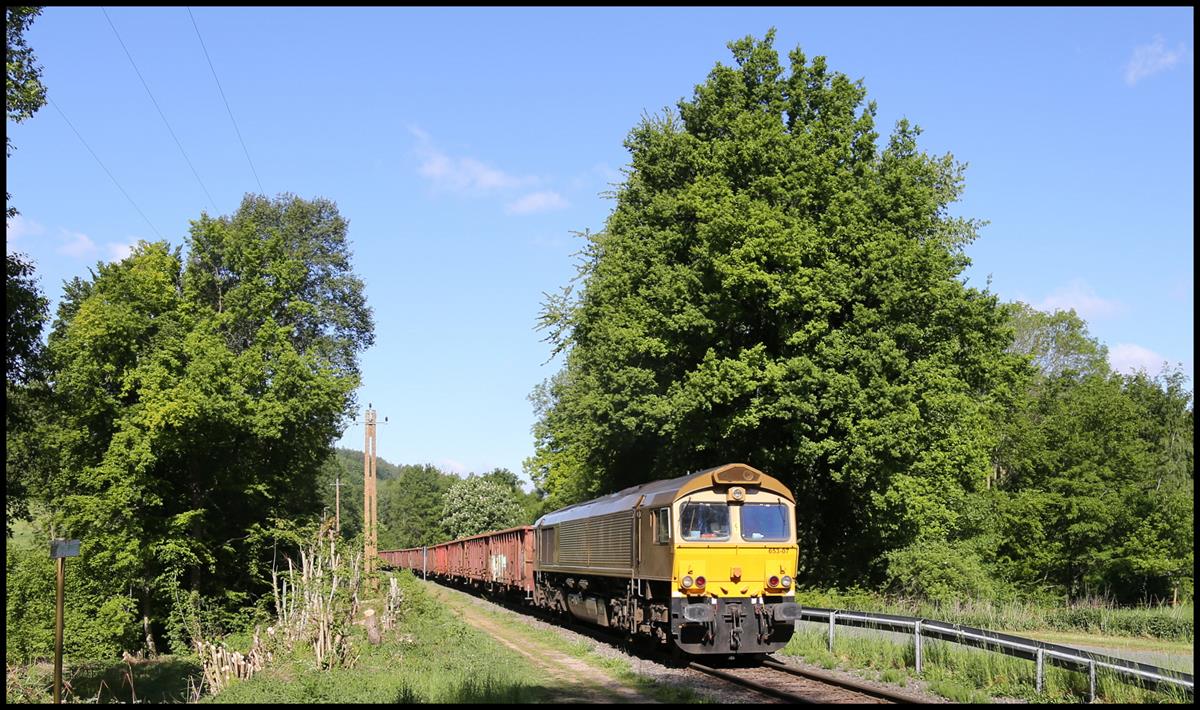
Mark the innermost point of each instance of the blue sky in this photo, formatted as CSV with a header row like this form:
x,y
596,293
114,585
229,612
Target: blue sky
x,y
465,145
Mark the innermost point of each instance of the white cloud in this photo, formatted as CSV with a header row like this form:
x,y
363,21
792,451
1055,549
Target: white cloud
x,y
606,172
1150,59
537,202
19,228
119,250
460,174
1129,358
1083,299
77,244
456,467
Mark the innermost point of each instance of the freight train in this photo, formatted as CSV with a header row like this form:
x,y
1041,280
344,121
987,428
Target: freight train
x,y
703,563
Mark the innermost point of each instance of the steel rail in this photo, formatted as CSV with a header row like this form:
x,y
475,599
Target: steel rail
x,y
745,682
895,697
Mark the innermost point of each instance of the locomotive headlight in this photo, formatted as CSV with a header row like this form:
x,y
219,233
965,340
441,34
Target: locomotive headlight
x,y
686,582
787,581
738,493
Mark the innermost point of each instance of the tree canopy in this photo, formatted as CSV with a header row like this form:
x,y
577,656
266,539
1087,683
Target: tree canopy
x,y
24,92
479,504
773,287
197,396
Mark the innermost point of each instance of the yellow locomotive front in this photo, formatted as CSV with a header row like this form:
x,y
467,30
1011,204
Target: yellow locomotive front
x,y
704,562
734,542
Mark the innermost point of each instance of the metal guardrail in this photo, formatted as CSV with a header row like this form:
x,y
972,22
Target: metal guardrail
x,y
1040,652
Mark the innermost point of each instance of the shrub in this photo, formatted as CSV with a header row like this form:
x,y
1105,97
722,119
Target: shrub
x,y
938,571
95,627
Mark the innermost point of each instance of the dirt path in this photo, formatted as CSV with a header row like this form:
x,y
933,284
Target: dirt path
x,y
571,679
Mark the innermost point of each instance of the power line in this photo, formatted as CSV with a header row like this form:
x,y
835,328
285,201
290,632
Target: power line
x,y
160,111
110,175
231,118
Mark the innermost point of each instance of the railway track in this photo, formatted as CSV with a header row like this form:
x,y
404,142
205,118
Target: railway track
x,y
768,677
794,685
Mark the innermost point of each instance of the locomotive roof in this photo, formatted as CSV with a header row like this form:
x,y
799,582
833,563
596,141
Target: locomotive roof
x,y
658,493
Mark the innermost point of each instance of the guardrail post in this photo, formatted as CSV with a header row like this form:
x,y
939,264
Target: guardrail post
x,y
1041,667
832,614
1091,681
917,641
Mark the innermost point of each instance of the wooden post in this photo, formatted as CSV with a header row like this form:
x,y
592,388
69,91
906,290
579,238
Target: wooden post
x,y
61,564
369,503
60,550
372,623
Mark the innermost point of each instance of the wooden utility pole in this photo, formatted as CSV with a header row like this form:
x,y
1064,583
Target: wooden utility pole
x,y
370,509
337,502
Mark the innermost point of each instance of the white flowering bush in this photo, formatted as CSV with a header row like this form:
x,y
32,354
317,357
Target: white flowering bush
x,y
476,505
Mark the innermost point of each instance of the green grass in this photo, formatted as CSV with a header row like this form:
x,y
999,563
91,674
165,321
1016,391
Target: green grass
x,y
964,674
26,534
162,680
431,657
1092,617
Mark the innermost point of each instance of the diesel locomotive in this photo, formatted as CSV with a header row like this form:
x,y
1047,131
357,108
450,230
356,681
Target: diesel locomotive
x,y
703,563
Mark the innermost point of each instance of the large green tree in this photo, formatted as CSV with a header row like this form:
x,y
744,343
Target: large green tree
x,y
1093,471
26,307
775,287
198,396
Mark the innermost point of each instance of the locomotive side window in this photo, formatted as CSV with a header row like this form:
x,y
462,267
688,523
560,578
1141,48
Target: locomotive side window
x,y
765,521
704,521
662,525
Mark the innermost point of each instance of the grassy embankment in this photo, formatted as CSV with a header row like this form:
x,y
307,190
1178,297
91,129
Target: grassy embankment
x,y
1098,618
969,675
432,656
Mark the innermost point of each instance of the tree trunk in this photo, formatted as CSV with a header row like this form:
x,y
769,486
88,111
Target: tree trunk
x,y
372,627
151,649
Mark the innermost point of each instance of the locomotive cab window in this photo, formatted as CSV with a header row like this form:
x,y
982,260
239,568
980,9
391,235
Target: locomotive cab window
x,y
662,525
765,521
704,521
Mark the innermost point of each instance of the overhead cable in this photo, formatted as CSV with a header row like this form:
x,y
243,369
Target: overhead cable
x,y
231,118
106,170
160,111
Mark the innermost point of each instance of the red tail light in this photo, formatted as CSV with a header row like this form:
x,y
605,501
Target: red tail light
x,y
700,582
773,581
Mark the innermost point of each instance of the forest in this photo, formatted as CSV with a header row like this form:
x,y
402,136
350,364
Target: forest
x,y
775,285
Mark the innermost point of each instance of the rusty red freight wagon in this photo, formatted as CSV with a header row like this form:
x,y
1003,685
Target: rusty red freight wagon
x,y
495,559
